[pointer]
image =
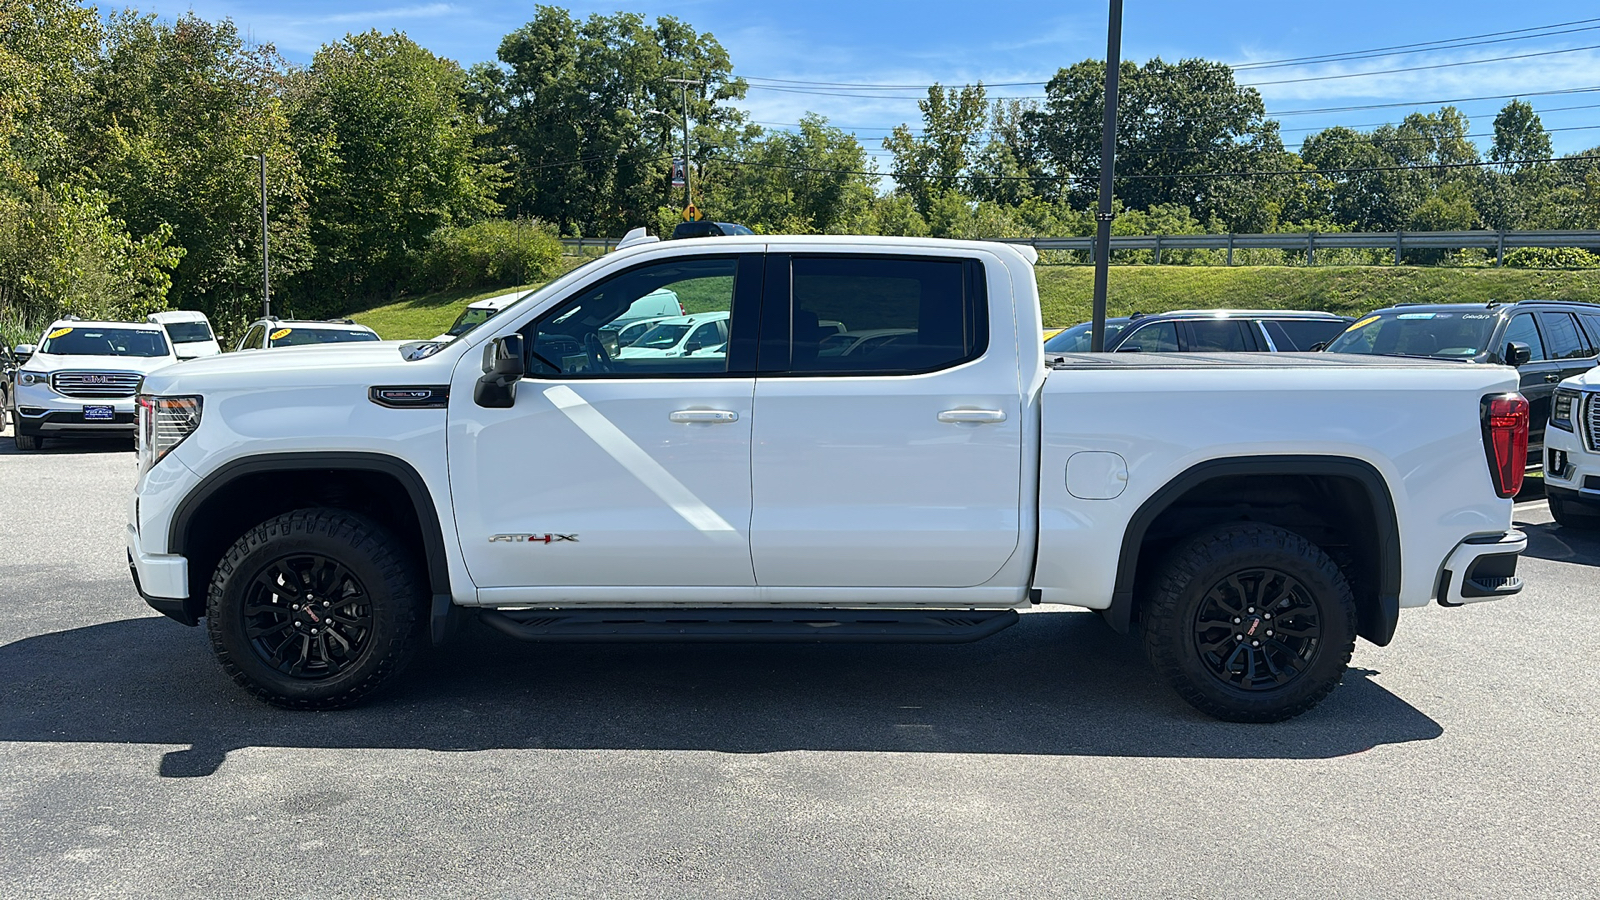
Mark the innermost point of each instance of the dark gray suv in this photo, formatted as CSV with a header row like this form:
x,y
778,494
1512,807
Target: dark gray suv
x,y
1547,340
1208,331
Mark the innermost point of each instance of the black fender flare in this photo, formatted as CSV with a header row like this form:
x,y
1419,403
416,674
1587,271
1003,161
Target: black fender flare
x,y
416,490
1379,629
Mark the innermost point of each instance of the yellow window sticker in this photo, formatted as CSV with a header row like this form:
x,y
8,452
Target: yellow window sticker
x,y
1363,323
59,332
281,333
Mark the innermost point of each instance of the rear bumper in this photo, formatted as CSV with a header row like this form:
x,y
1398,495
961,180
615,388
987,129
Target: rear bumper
x,y
1482,568
162,580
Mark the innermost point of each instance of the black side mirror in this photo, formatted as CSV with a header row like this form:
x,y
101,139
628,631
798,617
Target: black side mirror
x,y
504,364
692,346
1318,347
1517,353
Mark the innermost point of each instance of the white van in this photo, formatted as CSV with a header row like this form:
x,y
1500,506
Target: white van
x,y
189,331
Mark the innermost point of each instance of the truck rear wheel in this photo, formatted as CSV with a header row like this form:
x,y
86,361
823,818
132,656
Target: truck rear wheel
x,y
314,609
1250,623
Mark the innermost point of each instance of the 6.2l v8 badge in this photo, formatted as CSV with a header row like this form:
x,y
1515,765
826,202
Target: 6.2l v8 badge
x,y
532,538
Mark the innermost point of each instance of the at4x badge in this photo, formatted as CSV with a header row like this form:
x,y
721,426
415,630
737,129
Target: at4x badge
x,y
532,538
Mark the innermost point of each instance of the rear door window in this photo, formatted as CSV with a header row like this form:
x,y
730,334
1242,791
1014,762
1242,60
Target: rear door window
x,y
1523,331
1565,338
1303,334
1218,336
935,308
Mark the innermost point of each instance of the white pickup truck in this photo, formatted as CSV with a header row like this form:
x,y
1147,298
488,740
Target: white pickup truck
x,y
325,509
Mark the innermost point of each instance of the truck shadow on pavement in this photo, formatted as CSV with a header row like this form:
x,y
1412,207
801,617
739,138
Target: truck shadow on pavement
x,y
1548,540
1055,684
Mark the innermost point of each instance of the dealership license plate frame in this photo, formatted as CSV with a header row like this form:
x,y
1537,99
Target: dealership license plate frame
x,y
99,413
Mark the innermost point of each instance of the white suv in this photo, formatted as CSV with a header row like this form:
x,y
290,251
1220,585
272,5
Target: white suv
x,y
82,378
1572,452
264,334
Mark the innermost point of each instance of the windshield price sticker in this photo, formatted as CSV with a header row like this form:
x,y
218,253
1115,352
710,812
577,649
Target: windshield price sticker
x,y
59,332
281,333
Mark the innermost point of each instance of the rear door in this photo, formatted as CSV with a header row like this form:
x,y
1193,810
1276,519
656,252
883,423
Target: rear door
x,y
1217,336
1567,344
1538,377
896,468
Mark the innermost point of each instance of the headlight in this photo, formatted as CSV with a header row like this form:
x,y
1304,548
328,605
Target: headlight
x,y
33,378
1561,407
163,424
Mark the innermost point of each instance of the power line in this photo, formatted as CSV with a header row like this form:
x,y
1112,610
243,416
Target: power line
x,y
1274,114
1424,47
1449,65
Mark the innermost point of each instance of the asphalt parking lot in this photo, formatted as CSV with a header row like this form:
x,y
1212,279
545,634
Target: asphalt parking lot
x,y
1045,761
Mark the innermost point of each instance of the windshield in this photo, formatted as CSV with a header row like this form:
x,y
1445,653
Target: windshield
x,y
470,319
188,332
1076,339
76,341
294,336
662,336
1442,335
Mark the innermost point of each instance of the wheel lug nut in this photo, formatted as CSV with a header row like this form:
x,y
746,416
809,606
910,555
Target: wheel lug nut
x,y
326,603
313,631
1252,643
299,624
1251,610
1236,620
1238,637
1269,632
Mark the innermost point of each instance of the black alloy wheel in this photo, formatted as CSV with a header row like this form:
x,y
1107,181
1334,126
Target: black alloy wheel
x,y
316,608
1248,622
1257,629
308,616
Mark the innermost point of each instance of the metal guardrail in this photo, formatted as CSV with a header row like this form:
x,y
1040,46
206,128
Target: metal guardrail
x,y
1310,242
604,245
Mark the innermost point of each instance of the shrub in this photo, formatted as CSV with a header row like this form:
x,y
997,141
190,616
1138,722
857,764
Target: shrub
x,y
493,253
1552,258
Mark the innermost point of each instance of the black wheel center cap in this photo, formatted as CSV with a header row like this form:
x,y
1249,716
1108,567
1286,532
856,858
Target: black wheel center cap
x,y
1252,628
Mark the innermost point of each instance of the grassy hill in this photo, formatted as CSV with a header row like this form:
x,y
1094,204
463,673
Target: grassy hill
x,y
1066,291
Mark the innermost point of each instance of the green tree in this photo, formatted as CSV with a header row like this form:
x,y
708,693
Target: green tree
x,y
1177,126
390,154
805,181
931,164
172,110
586,123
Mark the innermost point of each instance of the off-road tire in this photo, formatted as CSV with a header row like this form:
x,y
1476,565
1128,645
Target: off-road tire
x,y
27,443
1200,567
391,584
1574,515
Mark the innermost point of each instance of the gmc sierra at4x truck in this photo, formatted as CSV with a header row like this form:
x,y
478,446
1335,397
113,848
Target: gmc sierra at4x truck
x,y
326,509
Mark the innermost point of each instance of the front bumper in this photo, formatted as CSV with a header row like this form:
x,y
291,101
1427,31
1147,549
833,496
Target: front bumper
x,y
41,410
1482,568
1571,470
162,579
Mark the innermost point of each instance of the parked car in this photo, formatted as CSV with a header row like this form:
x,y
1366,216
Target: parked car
x,y
275,332
863,343
1247,515
679,336
1572,452
82,377
1546,340
708,229
8,374
657,304
189,331
1208,331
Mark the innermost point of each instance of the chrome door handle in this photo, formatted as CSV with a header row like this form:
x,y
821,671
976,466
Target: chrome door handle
x,y
972,415
1552,377
704,415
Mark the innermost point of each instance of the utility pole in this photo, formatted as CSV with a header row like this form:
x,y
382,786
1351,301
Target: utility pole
x,y
1108,165
688,176
266,279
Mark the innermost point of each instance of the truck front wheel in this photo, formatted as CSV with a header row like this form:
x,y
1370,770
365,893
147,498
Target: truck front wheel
x,y
314,609
1249,623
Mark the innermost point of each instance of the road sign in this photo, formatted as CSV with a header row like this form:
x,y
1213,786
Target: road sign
x,y
691,213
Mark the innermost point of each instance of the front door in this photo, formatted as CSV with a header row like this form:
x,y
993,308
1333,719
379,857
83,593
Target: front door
x,y
611,472
884,463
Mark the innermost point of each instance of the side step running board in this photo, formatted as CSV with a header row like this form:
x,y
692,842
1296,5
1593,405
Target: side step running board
x,y
885,626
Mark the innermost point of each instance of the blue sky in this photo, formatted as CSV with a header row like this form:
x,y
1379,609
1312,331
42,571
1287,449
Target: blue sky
x,y
954,43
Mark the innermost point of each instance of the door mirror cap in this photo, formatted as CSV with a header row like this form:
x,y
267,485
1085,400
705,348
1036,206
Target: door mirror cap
x,y
23,351
692,346
504,364
1517,353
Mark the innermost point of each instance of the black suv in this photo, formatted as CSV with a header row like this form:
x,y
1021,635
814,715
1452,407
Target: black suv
x,y
1547,340
708,229
1208,331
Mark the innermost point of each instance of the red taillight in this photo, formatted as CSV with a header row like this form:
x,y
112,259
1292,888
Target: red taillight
x,y
1505,439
